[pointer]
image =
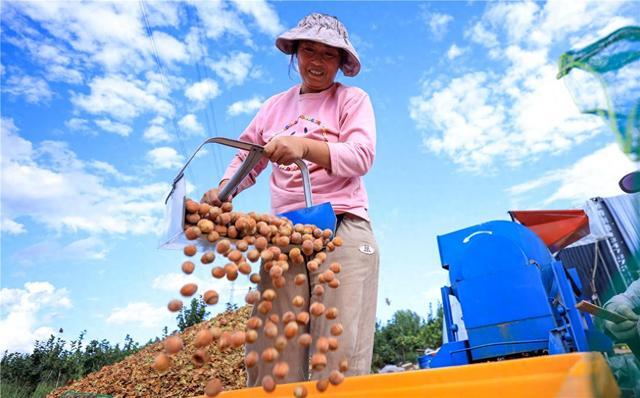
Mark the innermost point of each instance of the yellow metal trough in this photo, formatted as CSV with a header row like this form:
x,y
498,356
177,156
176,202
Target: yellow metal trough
x,y
569,375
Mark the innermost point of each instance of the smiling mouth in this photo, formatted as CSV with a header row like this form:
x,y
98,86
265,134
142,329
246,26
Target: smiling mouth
x,y
315,73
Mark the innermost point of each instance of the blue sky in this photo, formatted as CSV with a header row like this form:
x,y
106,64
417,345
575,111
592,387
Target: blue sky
x,y
471,123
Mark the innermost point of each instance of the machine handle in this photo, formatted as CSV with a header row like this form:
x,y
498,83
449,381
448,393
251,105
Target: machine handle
x,y
254,156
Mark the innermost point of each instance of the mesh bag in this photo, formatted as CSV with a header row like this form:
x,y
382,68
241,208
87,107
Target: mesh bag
x,y
604,80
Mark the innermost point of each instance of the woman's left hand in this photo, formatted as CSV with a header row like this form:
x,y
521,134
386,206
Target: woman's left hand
x,y
286,150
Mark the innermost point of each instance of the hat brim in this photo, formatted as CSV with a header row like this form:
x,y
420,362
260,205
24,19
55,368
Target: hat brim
x,y
351,65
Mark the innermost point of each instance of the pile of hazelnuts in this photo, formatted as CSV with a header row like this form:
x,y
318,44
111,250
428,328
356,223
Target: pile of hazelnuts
x,y
245,241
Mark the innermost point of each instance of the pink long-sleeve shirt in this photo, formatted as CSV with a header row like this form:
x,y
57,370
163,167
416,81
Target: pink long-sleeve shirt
x,y
342,117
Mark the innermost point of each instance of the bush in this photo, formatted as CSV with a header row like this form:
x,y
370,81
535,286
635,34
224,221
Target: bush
x,y
52,364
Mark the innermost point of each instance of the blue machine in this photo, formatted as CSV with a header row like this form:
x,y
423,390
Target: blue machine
x,y
516,299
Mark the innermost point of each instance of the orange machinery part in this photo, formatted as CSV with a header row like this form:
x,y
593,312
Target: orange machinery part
x,y
556,228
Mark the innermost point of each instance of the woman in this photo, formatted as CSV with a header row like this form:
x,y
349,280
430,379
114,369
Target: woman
x,y
332,128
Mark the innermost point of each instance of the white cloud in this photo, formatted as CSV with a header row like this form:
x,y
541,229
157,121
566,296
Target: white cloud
x,y
140,313
438,24
172,282
169,49
11,227
76,123
114,127
265,16
482,118
34,89
249,106
594,175
454,52
23,310
233,69
156,132
109,170
50,185
165,158
217,19
82,250
123,98
202,91
191,125
109,34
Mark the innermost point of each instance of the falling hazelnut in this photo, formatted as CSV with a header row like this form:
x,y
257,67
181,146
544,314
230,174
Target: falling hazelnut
x,y
255,278
300,279
237,339
269,295
213,388
250,336
174,305
208,258
264,307
203,338
344,365
270,354
188,289
302,318
280,370
318,361
333,343
335,377
252,297
206,226
211,297
251,359
331,313
161,362
318,290
336,329
173,344
268,384
244,268
199,358
192,233
280,343
223,246
297,301
218,272
190,250
188,267
291,330
270,330
335,268
322,385
322,344
316,309
305,340
191,206
254,323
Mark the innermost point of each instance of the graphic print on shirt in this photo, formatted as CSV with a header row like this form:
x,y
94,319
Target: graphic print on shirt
x,y
309,127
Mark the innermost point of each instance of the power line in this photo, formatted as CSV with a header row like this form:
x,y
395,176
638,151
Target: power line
x,y
164,79
210,116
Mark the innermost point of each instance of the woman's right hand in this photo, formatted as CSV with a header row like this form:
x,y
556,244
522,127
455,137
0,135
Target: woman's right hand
x,y
211,196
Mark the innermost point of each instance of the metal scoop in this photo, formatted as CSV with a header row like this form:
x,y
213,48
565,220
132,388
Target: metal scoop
x,y
322,215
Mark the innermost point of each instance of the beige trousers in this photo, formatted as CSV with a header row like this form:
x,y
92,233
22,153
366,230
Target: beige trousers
x,y
355,299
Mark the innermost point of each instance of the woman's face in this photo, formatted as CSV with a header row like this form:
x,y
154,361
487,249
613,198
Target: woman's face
x,y
318,65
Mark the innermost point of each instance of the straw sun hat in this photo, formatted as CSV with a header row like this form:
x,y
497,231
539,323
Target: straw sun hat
x,y
324,29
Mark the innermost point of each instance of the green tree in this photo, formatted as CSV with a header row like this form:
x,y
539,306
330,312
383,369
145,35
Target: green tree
x,y
192,315
397,342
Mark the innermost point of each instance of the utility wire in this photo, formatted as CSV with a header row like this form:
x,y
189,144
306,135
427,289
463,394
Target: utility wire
x,y
165,81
